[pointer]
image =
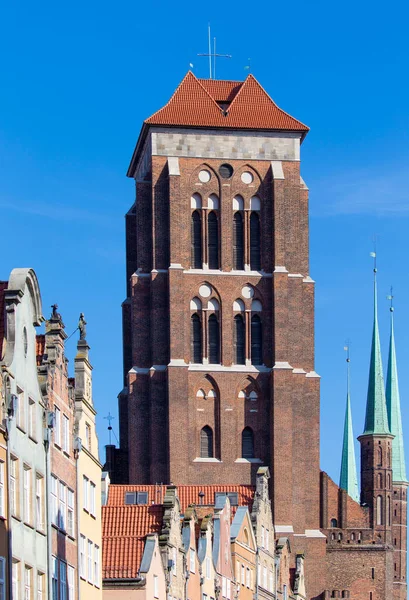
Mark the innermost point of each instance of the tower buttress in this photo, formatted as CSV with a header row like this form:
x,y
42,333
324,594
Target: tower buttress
x,y
376,444
399,479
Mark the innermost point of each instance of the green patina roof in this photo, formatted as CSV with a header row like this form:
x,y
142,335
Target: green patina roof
x,y
348,480
394,414
376,418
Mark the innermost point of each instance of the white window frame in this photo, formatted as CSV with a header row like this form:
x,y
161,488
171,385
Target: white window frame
x,y
39,502
192,557
96,566
62,505
55,578
71,582
16,580
208,571
243,575
90,564
228,589
13,485
63,580
54,500
92,498
70,512
155,586
266,539
248,578
66,434
27,488
57,427
40,586
82,556
27,582
85,493
32,429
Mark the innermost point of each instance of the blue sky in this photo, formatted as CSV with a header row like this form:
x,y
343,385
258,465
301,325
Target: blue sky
x,y
78,79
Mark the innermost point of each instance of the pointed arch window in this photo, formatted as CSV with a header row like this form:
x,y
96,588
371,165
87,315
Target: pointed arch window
x,y
379,457
196,240
255,254
238,242
206,442
213,240
239,341
214,339
379,510
196,338
256,340
247,443
334,523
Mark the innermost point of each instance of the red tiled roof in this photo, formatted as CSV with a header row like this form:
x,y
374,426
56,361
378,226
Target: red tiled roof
x,y
40,348
124,529
187,494
195,104
3,287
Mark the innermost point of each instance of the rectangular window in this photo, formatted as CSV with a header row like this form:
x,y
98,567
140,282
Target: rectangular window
x,y
262,536
88,437
89,561
54,503
2,578
63,580
27,494
265,578
248,582
224,587
285,596
270,582
96,566
228,590
266,539
207,567
39,502
86,493
32,430
13,484
243,575
62,518
192,561
20,410
2,499
40,586
71,583
16,580
70,513
155,586
57,427
55,578
82,557
66,434
92,488
27,583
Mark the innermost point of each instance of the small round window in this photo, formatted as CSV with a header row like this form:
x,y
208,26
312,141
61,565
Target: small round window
x,y
225,171
25,341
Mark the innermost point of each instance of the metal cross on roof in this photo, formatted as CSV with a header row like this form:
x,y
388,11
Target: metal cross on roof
x,y
110,418
213,55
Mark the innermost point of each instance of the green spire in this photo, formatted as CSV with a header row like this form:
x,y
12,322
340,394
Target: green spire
x,y
348,480
394,414
376,418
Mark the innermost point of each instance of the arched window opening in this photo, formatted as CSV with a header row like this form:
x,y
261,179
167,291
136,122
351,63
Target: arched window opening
x,y
255,203
247,443
388,511
379,481
206,442
196,338
239,341
256,306
379,457
214,340
332,537
196,235
389,481
196,201
213,240
213,304
200,395
340,537
379,516
238,305
238,242
213,202
352,537
196,304
253,396
238,203
255,262
334,523
256,341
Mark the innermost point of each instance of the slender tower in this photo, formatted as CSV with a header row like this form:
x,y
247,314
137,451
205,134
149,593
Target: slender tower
x,y
376,443
348,480
399,480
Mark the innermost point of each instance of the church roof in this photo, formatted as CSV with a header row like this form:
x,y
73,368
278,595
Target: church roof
x,y
348,480
376,418
224,104
394,412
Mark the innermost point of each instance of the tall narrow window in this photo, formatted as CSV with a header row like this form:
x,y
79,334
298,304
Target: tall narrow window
x,y
196,338
255,261
256,341
247,443
63,580
2,578
379,516
213,240
27,495
13,486
71,583
196,235
206,442
39,502
238,242
214,340
2,500
239,340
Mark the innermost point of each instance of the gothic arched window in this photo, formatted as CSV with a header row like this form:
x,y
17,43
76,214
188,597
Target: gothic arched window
x,y
206,442
247,443
380,481
334,523
238,242
214,340
213,240
379,457
196,240
256,340
255,261
196,338
379,511
239,340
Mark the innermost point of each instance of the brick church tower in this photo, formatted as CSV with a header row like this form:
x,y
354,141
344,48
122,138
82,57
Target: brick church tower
x,y
219,316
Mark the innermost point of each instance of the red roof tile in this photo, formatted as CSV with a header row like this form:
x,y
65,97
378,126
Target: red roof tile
x,y
3,287
124,529
195,104
187,494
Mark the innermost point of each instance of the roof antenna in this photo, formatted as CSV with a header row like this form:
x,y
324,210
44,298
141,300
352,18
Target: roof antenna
x,y
213,55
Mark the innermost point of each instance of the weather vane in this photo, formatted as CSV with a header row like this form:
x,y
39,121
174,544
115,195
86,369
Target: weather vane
x,y
390,297
213,55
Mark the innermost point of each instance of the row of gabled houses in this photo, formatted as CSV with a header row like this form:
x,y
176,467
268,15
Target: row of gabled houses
x,y
192,542
50,474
